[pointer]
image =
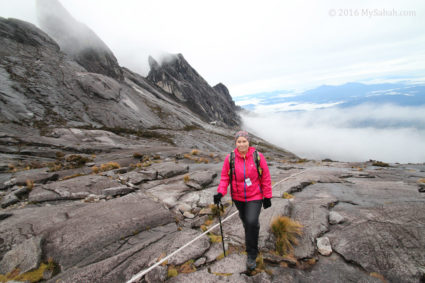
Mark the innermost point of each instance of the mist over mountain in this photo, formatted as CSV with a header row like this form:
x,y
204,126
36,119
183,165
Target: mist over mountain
x,y
353,121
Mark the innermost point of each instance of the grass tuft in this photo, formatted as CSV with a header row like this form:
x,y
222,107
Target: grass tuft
x,y
30,276
109,166
287,195
286,232
30,184
186,178
194,152
172,272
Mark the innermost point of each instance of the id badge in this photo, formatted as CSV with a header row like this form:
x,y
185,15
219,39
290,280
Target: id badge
x,y
248,182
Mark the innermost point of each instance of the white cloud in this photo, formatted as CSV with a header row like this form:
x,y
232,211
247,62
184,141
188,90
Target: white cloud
x,y
340,134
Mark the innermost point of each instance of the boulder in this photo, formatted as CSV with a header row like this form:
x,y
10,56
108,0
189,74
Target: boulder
x,y
9,200
115,191
138,177
335,218
324,246
25,256
201,179
169,169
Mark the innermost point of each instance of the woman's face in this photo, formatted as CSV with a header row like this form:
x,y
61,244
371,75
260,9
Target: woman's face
x,y
242,145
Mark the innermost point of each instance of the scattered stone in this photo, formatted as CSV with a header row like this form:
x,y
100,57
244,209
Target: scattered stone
x,y
9,200
200,261
20,192
324,246
138,177
183,207
189,215
25,256
90,164
169,169
9,183
201,179
92,198
122,190
335,218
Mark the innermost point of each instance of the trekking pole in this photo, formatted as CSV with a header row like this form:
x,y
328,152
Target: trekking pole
x,y
221,228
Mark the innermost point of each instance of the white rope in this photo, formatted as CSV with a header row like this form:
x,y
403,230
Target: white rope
x,y
140,274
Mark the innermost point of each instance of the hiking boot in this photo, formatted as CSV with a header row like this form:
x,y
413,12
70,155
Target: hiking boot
x,y
250,263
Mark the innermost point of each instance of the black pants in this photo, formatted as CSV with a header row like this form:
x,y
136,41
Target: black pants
x,y
249,213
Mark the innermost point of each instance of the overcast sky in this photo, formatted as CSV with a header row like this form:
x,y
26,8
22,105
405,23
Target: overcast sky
x,y
255,46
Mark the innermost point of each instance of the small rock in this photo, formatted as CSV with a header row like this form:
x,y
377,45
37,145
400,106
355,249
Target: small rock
x,y
9,200
421,188
183,207
324,246
200,261
21,192
121,190
189,215
90,164
335,218
92,198
9,183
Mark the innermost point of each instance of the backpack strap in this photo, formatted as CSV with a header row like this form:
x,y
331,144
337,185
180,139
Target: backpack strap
x,y
231,171
257,159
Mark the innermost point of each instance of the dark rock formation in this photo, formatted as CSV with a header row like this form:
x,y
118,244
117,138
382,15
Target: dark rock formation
x,y
178,78
77,40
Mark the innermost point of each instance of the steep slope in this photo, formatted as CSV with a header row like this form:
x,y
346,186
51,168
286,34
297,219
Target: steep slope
x,y
42,86
178,78
77,40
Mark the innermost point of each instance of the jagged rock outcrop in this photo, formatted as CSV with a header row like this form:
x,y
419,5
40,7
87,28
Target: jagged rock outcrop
x,y
77,40
42,88
175,76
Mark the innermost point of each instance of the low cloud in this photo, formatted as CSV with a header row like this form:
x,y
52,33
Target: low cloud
x,y
387,132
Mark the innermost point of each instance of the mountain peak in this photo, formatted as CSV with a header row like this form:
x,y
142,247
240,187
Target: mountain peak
x,y
77,40
178,78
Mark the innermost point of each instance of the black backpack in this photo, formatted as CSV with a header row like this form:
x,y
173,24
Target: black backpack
x,y
232,173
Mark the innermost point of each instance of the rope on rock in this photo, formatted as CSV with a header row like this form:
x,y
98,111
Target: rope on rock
x,y
143,272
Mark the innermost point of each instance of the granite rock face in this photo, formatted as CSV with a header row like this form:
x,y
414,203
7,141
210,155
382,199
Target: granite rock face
x,y
177,77
42,86
77,39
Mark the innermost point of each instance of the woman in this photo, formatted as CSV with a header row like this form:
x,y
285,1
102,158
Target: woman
x,y
249,189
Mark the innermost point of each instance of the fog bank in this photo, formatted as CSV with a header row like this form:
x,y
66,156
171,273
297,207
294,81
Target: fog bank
x,y
387,133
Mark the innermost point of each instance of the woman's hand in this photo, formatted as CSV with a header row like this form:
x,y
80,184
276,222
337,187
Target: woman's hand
x,y
217,198
267,202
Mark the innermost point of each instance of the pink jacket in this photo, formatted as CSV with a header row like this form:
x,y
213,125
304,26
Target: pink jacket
x,y
245,168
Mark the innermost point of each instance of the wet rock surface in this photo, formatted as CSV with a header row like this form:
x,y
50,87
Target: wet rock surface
x,y
115,223
146,165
